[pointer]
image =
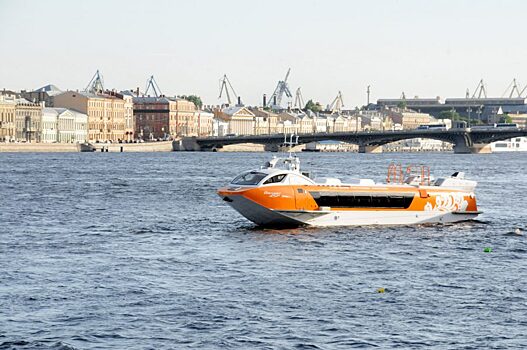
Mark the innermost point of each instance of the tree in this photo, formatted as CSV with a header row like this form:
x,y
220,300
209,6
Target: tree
x,y
194,99
452,115
402,105
313,107
505,118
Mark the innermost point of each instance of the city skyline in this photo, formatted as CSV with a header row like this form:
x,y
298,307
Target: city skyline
x,y
393,46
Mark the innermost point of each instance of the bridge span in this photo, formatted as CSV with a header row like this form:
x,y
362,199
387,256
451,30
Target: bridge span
x,y
464,140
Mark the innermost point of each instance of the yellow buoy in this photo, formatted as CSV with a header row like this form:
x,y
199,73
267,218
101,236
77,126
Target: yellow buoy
x,y
380,290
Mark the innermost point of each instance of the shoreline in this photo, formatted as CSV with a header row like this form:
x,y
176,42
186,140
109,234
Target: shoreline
x,y
161,146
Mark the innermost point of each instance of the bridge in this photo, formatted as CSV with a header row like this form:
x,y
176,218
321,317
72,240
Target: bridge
x,y
465,140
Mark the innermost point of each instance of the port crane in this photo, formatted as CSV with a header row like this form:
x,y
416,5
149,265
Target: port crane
x,y
299,100
152,84
225,85
480,90
336,106
96,84
282,88
513,86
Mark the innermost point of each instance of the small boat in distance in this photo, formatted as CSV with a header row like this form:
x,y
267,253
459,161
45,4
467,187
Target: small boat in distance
x,y
280,194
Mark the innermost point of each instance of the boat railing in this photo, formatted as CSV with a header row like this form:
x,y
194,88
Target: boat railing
x,y
413,174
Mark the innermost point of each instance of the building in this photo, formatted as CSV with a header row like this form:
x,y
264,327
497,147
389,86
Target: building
x,y
28,119
520,119
241,120
205,123
129,125
106,113
269,119
186,118
63,125
219,127
164,117
44,94
7,118
412,120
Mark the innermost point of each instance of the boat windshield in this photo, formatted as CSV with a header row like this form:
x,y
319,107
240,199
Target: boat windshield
x,y
248,178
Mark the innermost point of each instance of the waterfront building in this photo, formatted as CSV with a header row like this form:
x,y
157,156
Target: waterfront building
x,y
186,118
163,117
412,120
269,120
28,119
352,123
520,119
129,127
320,123
220,127
44,94
241,120
205,123
7,118
63,126
106,113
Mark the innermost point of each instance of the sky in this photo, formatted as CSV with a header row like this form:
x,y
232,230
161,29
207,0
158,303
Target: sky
x,y
424,48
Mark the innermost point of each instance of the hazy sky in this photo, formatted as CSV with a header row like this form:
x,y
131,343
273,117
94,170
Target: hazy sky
x,y
424,48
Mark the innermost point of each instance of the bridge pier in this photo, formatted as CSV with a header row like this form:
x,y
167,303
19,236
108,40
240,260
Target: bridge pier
x,y
370,149
186,144
271,147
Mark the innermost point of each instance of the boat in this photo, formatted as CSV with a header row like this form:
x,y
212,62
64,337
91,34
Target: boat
x,y
279,194
517,144
86,147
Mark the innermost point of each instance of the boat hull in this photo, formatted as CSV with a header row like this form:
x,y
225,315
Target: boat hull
x,y
263,216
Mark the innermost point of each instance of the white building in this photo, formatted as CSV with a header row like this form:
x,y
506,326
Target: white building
x,y
220,127
63,125
205,123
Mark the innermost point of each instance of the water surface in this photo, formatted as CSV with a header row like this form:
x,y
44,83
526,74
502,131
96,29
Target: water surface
x,y
136,251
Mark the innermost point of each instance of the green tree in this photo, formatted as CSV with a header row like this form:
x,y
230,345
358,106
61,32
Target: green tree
x,y
194,99
505,118
402,105
312,106
452,115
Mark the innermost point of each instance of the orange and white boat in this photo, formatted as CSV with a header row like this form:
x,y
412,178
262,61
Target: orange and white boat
x,y
279,194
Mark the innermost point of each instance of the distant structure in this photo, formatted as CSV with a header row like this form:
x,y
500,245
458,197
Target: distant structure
x,y
282,88
299,100
480,90
226,86
476,106
336,106
513,86
96,84
151,84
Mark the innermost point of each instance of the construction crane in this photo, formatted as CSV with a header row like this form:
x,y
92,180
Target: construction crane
x,y
513,86
225,85
524,89
152,84
299,100
480,90
96,84
281,88
336,106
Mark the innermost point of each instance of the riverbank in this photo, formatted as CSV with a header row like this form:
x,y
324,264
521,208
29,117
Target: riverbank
x,y
161,146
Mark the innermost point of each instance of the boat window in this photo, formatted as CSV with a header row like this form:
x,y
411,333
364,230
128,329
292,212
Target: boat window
x,y
275,179
362,200
248,178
